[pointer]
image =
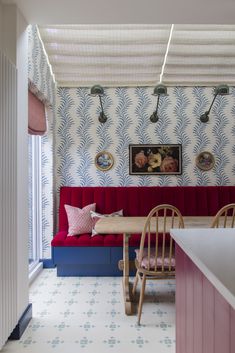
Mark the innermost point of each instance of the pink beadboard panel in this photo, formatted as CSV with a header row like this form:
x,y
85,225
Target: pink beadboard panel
x,y
232,330
180,302
208,319
205,322
189,274
222,324
197,310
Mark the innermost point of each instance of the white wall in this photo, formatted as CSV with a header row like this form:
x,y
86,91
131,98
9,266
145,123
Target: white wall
x,y
127,11
9,22
1,29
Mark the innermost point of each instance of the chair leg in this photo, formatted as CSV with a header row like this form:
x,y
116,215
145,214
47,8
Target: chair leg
x,y
141,298
135,282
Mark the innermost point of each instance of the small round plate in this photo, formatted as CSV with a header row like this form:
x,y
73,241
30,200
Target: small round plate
x,y
104,161
205,160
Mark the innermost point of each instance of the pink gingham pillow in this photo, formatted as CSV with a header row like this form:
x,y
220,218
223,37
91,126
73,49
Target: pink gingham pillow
x,y
79,220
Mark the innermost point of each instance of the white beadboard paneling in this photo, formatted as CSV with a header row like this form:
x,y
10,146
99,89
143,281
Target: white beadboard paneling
x,y
8,189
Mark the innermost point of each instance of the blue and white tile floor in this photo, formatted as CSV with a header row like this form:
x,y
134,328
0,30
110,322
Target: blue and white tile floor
x,y
86,314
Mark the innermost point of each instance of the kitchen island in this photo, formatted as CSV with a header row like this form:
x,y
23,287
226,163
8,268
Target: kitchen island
x,y
205,290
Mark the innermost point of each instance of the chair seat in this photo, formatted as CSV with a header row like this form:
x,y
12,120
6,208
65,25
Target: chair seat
x,y
152,260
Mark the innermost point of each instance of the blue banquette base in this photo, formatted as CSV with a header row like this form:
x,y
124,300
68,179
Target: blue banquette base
x,y
89,261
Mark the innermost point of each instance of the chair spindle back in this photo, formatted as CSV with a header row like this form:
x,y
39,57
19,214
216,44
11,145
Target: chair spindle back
x,y
225,217
156,246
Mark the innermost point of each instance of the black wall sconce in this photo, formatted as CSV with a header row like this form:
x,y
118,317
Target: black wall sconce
x,y
221,90
97,90
159,90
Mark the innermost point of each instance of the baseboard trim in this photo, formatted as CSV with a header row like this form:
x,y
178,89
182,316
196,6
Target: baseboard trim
x,y
47,263
22,324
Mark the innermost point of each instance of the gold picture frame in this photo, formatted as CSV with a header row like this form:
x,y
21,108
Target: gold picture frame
x,y
104,161
205,160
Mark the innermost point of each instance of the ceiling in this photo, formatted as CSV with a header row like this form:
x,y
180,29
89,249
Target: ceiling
x,y
140,55
126,11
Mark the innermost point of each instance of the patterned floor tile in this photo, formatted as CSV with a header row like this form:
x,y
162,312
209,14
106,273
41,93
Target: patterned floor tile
x,y
87,314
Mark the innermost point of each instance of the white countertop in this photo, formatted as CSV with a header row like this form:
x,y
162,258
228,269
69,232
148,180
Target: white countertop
x,y
213,252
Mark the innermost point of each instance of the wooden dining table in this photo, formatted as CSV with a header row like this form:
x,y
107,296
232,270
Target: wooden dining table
x,y
134,225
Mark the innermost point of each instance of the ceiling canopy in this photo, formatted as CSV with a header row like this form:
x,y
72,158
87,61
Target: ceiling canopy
x,y
140,55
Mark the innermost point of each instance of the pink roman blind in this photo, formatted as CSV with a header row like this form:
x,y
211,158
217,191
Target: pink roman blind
x,y
37,124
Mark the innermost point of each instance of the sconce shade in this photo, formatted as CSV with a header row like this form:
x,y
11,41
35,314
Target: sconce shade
x,y
102,117
160,90
204,117
97,90
154,117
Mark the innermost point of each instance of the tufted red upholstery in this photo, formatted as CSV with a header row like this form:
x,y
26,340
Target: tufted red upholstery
x,y
61,239
137,201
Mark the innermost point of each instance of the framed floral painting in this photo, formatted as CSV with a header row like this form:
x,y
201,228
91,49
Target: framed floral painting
x,y
155,159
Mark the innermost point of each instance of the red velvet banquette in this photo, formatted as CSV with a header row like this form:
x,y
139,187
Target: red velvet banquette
x,y
83,255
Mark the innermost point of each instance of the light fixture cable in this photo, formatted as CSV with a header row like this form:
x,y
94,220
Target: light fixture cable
x,y
166,53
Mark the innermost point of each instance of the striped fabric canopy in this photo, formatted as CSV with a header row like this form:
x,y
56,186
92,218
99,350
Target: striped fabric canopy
x,y
138,55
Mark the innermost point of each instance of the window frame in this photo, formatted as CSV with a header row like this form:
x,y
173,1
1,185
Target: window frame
x,y
36,205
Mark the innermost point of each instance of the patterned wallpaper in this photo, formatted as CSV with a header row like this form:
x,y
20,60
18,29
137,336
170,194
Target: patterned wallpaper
x,y
40,78
42,84
79,135
47,163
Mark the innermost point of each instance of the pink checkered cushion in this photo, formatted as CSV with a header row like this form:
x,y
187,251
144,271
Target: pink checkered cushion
x,y
152,260
79,220
96,216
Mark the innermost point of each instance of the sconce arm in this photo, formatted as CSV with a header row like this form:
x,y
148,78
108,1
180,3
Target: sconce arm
x,y
212,103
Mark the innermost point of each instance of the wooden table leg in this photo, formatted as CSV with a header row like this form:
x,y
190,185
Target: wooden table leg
x,y
126,283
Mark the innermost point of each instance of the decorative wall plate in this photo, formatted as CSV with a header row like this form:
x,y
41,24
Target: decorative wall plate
x,y
104,161
205,160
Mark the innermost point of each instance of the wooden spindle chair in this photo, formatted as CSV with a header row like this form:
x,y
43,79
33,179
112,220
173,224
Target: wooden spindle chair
x,y
155,257
225,217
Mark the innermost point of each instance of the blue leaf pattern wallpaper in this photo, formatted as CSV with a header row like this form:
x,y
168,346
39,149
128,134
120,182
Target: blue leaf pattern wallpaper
x,y
41,83
47,162
80,136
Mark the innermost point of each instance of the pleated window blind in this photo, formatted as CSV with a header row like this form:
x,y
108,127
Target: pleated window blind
x,y
37,124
